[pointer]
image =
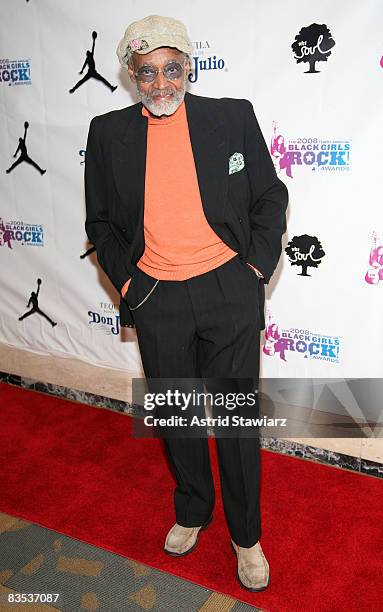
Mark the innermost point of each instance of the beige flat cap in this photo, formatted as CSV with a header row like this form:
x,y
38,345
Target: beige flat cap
x,y
150,33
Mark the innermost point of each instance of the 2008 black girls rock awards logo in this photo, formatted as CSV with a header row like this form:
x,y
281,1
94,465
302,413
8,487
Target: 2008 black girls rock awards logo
x,y
280,342
15,72
20,233
310,152
374,273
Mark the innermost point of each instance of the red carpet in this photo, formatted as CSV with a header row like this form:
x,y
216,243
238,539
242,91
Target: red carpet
x,y
75,469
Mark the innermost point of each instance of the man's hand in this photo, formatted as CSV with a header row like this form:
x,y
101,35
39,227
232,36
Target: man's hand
x,y
258,273
269,200
112,255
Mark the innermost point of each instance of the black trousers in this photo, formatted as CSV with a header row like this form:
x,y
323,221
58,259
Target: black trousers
x,y
208,326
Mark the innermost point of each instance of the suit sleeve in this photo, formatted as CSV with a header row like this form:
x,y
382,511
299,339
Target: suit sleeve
x,y
269,199
111,255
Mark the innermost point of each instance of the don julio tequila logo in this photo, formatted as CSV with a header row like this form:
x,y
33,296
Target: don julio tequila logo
x,y
204,60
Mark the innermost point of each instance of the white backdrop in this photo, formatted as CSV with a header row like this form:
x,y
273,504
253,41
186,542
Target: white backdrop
x,y
338,108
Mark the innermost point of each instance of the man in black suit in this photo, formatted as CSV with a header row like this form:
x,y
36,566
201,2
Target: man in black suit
x,y
191,271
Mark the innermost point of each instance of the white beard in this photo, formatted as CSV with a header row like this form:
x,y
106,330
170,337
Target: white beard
x,y
163,107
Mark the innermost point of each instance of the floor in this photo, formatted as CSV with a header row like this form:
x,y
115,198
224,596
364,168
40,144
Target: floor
x,y
34,559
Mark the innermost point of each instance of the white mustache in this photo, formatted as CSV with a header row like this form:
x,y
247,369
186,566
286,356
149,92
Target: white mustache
x,y
161,93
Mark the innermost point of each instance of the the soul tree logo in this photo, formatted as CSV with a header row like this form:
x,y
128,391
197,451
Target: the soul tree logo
x,y
305,251
374,272
92,72
24,157
313,44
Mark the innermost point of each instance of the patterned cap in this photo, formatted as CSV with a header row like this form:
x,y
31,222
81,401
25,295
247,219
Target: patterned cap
x,y
150,33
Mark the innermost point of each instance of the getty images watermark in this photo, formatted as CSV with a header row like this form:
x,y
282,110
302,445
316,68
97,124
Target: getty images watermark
x,y
175,408
176,399
270,407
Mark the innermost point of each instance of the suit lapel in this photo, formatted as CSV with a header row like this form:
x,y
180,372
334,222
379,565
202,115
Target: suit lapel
x,y
210,150
129,160
209,143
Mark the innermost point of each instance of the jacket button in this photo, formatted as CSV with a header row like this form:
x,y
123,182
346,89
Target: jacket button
x,y
240,219
123,229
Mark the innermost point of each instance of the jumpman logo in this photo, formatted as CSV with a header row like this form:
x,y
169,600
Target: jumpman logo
x,y
33,301
92,72
88,252
24,154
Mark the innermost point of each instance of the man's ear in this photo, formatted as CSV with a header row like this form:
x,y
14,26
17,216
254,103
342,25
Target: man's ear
x,y
187,64
131,69
131,73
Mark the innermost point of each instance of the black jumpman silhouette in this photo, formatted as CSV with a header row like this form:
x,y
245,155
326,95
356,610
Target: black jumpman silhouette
x,y
33,300
92,72
88,252
23,153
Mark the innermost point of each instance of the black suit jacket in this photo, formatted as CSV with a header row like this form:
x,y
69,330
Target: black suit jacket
x,y
246,208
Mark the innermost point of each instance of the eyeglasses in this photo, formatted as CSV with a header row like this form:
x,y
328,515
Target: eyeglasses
x,y
171,72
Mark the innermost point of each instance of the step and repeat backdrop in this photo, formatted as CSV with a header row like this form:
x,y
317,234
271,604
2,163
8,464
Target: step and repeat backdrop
x,y
314,74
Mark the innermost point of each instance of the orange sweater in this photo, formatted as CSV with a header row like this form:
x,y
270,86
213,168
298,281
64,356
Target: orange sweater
x,y
179,242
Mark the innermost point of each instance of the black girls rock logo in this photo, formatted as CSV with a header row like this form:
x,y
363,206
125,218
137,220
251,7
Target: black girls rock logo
x,y
21,233
304,343
15,71
374,274
305,252
313,44
311,152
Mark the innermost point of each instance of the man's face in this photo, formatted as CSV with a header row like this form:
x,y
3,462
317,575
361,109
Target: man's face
x,y
161,96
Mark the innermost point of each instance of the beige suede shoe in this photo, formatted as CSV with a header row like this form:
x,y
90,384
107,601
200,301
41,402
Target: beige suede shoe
x,y
182,540
253,569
